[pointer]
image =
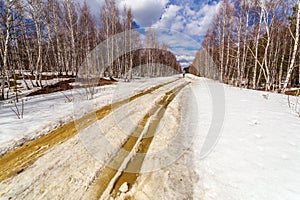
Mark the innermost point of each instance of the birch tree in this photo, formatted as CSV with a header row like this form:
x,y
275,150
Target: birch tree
x,y
220,24
110,21
5,69
245,16
257,37
35,12
71,23
128,42
295,49
257,46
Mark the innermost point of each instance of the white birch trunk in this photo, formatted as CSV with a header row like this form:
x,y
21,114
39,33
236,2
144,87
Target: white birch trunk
x,y
281,65
295,49
38,65
256,50
266,63
6,43
238,53
58,45
245,50
222,50
71,29
227,74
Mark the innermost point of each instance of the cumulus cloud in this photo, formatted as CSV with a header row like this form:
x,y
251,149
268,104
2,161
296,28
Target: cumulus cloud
x,y
178,24
188,16
185,60
206,15
192,20
146,12
169,17
179,43
189,12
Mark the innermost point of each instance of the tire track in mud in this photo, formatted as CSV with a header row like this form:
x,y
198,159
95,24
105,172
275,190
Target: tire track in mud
x,y
125,166
17,160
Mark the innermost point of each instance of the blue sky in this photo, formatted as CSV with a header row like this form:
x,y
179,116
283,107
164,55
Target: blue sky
x,y
186,20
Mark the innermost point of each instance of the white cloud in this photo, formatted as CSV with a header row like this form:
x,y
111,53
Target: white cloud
x,y
189,12
178,42
170,19
146,12
185,60
178,25
205,17
189,20
186,16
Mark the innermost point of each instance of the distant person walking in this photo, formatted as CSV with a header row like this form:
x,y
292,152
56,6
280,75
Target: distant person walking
x,y
183,73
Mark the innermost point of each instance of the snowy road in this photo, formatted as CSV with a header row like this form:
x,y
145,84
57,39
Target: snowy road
x,y
88,165
157,137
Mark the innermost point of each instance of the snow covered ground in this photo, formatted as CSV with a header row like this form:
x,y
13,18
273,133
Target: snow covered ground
x,y
250,152
258,152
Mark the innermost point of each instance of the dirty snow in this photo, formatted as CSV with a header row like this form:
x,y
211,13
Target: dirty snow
x,y
256,154
43,113
68,172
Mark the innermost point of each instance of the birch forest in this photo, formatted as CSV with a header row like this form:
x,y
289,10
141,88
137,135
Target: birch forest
x,y
54,37
253,44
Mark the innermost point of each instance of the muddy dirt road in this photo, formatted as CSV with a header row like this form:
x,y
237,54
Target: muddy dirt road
x,y
99,156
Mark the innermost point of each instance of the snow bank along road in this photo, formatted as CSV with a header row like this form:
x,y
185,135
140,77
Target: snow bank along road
x,y
96,156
